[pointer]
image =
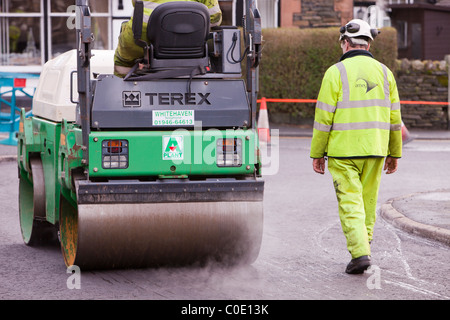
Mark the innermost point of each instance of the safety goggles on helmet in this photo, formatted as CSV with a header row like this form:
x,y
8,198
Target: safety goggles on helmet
x,y
357,28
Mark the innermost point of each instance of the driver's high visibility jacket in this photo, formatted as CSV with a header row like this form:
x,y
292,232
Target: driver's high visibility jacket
x,y
127,51
358,110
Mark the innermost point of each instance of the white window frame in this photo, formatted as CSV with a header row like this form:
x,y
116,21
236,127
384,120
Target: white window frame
x,y
46,42
26,68
68,14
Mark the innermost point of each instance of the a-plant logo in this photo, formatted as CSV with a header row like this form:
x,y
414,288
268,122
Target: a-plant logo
x,y
173,148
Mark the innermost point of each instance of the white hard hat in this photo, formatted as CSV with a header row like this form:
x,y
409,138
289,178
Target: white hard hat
x,y
358,28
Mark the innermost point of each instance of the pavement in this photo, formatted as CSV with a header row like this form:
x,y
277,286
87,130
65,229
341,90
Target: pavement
x,y
426,214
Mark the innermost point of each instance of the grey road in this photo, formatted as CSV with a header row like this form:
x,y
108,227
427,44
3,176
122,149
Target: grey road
x,y
303,254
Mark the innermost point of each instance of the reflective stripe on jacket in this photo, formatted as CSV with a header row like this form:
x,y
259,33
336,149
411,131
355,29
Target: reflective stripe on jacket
x,y
358,111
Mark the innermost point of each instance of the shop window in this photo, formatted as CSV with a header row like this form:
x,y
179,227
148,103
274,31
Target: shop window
x,y
32,32
20,32
63,39
62,19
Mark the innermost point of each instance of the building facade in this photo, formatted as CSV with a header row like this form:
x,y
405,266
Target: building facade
x,y
32,32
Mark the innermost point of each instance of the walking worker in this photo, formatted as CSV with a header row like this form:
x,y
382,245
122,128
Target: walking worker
x,y
127,51
357,126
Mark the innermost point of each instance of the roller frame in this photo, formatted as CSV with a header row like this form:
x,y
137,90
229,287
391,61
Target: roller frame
x,y
166,221
169,191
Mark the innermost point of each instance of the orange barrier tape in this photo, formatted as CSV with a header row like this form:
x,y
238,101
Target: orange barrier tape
x,y
289,100
425,102
314,101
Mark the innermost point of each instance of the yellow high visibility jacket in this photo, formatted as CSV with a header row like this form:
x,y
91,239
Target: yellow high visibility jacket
x,y
358,110
127,51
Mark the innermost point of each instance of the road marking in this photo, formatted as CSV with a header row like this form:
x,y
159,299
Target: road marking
x,y
415,289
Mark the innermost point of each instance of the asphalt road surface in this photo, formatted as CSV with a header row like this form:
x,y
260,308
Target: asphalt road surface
x,y
303,254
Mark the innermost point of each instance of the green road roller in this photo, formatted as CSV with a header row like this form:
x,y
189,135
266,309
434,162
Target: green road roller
x,y
160,167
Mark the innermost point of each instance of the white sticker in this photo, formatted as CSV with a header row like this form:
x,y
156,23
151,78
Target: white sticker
x,y
173,117
173,148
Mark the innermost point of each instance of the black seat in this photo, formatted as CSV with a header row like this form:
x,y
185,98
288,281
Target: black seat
x,y
177,33
179,30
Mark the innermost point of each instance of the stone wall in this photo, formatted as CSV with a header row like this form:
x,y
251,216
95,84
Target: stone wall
x,y
423,81
317,13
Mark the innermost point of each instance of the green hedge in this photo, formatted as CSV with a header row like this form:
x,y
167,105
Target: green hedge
x,y
294,61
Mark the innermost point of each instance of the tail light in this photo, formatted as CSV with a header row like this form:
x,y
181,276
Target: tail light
x,y
115,154
229,152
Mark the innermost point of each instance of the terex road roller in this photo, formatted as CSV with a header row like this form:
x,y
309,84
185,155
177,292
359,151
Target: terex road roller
x,y
158,168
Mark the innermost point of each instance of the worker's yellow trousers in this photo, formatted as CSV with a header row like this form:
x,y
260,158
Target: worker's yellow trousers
x,y
356,182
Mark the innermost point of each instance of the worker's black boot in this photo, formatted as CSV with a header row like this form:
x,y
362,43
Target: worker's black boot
x,y
358,265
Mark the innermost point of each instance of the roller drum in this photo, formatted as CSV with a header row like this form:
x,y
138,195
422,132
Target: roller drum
x,y
156,234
